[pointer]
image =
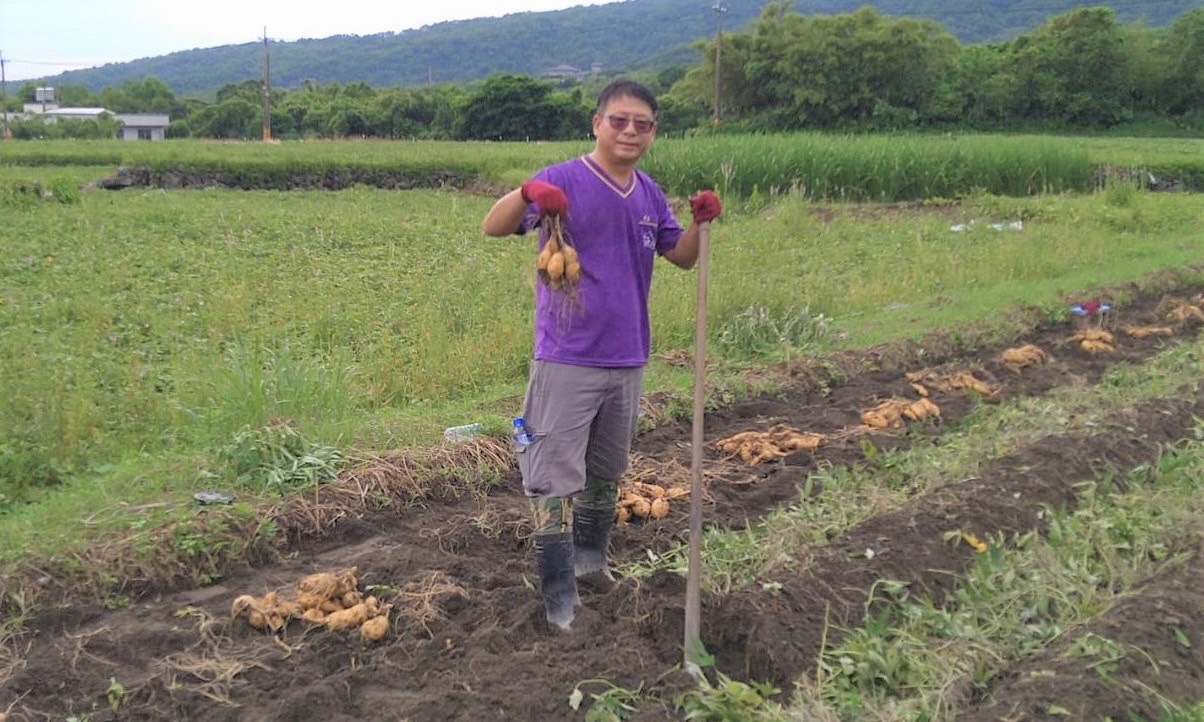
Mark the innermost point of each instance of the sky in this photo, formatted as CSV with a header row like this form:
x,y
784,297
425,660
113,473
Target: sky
x,y
47,37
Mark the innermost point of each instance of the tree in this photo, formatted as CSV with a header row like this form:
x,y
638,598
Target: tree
x,y
232,118
518,107
1182,49
1074,69
149,95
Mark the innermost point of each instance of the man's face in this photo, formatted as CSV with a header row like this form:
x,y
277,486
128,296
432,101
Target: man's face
x,y
624,129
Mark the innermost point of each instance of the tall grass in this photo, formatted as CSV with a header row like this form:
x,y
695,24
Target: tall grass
x,y
815,166
482,157
872,168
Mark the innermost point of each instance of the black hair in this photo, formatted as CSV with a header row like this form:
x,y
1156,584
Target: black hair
x,y
626,88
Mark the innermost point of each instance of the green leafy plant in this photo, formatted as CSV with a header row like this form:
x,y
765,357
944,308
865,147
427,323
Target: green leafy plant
x,y
612,704
759,331
277,459
116,695
1104,652
1120,192
727,699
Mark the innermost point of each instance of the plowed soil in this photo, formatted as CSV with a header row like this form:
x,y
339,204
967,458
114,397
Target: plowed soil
x,y
479,648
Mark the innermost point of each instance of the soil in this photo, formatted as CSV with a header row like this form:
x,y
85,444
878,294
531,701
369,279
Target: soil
x,y
480,648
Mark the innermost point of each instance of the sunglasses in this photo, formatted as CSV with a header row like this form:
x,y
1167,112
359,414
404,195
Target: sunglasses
x,y
641,125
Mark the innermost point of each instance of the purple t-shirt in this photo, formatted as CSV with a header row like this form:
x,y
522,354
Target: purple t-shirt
x,y
617,231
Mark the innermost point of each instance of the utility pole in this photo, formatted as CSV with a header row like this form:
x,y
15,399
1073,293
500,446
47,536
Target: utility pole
x,y
719,9
8,134
267,91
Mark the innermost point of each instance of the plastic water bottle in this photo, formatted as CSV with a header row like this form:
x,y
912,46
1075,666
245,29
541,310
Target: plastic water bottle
x,y
461,433
522,435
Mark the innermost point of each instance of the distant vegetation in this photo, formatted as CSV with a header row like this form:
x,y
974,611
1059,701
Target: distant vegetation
x,y
531,43
859,71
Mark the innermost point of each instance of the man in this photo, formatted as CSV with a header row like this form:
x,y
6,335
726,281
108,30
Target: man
x,y
583,393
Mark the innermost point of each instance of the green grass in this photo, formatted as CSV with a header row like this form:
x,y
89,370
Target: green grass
x,y
143,330
487,158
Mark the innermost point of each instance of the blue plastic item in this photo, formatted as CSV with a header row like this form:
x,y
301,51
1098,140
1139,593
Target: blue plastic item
x,y
522,435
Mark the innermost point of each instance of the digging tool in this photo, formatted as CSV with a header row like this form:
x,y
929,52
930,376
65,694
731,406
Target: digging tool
x,y
694,652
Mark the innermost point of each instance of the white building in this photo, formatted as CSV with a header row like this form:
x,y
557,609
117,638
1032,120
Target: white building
x,y
73,114
564,71
134,126
142,126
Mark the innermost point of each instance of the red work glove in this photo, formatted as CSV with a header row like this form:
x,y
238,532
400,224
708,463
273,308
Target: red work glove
x,y
705,206
549,199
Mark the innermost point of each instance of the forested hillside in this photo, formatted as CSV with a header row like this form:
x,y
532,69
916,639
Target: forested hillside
x,y
786,71
619,36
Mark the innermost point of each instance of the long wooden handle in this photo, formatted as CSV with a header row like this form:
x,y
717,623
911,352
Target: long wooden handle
x,y
694,651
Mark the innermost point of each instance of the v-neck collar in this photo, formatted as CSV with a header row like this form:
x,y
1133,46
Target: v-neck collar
x,y
623,191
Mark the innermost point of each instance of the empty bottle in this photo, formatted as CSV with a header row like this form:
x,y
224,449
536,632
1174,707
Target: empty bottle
x,y
461,433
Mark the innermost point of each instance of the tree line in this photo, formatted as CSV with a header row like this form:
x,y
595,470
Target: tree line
x,y
861,70
1082,69
464,51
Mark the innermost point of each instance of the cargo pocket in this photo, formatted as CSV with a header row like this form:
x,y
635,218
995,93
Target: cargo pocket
x,y
527,465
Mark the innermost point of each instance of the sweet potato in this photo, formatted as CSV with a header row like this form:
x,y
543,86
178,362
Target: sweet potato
x,y
353,617
322,585
659,508
375,629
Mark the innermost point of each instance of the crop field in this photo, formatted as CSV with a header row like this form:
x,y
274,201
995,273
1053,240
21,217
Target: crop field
x,y
990,510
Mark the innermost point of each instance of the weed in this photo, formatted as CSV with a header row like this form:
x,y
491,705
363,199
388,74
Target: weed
x,y
1103,652
612,704
277,459
1120,193
727,699
761,332
116,695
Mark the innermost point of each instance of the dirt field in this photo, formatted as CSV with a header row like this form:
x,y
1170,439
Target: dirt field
x,y
479,648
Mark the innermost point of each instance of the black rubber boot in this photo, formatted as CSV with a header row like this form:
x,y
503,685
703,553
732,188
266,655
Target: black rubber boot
x,y
591,534
557,583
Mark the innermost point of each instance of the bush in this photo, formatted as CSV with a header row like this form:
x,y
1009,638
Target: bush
x,y
277,459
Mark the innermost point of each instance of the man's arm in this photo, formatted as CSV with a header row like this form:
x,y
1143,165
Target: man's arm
x,y
705,207
685,253
506,215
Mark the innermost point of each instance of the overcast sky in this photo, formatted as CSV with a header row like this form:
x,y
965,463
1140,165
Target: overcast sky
x,y
46,37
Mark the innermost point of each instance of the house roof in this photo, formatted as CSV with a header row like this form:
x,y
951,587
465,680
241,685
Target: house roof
x,y
76,111
144,120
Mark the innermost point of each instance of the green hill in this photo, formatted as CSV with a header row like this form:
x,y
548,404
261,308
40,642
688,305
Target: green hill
x,y
618,36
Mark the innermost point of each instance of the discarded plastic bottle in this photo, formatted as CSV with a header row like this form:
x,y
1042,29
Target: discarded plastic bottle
x,y
461,433
522,435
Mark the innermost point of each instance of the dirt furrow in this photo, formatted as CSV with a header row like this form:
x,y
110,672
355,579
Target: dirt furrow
x,y
1142,654
777,636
